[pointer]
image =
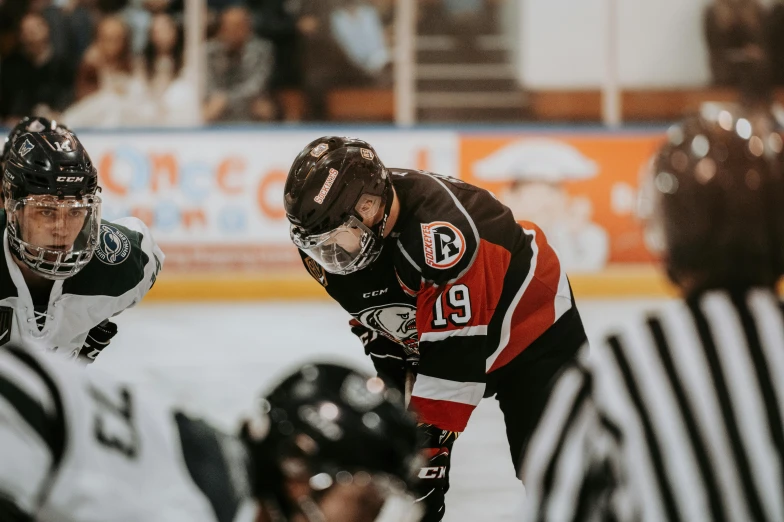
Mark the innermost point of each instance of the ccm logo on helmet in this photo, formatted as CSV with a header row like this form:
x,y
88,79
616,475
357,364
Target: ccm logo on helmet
x,y
327,185
444,244
70,179
434,472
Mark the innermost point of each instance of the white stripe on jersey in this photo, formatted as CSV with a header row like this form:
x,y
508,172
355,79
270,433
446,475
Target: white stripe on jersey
x,y
506,325
744,392
26,460
694,392
465,331
703,410
434,388
26,380
563,296
765,309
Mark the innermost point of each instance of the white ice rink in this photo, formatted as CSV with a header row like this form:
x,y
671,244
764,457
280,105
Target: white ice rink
x,y
215,359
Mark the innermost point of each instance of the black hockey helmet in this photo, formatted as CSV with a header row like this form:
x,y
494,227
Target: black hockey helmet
x,y
335,425
334,185
713,201
48,175
28,124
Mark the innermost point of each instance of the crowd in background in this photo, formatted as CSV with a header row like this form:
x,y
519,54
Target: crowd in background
x,y
112,62
107,63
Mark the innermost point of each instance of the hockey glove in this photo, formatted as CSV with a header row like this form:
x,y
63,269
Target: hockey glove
x,y
434,474
98,339
389,358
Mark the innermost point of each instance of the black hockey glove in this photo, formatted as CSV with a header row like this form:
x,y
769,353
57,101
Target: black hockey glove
x,y
434,474
98,339
389,358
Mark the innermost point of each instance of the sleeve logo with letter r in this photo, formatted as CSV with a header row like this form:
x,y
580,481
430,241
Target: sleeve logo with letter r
x,y
114,247
444,244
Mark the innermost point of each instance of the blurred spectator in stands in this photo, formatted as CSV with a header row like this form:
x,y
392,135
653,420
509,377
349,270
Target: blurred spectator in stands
x,y
344,45
775,37
83,18
357,28
239,66
83,15
320,55
108,62
276,21
109,86
35,80
139,14
10,15
59,29
734,32
173,99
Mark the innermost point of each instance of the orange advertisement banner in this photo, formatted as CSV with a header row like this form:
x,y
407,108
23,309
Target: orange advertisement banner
x,y
580,189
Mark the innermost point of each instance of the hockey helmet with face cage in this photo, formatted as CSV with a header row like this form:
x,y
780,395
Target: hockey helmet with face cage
x,y
338,196
49,188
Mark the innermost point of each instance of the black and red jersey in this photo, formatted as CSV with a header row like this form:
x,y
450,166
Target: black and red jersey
x,y
461,281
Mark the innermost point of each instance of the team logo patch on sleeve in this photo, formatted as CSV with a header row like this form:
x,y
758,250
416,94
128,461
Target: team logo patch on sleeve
x,y
114,247
316,270
444,244
6,321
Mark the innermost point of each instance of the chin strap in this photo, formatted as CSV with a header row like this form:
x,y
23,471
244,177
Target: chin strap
x,y
389,194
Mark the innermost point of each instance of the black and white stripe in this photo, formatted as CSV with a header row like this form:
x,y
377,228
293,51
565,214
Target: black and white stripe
x,y
676,417
30,402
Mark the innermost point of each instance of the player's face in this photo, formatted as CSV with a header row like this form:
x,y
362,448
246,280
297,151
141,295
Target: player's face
x,y
51,224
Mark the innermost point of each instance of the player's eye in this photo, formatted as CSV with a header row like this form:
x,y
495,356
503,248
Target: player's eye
x,y
76,213
46,212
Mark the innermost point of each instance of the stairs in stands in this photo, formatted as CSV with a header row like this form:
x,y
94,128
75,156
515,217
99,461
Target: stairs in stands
x,y
466,79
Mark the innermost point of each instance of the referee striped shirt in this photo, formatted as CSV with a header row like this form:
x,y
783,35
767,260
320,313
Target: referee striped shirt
x,y
677,416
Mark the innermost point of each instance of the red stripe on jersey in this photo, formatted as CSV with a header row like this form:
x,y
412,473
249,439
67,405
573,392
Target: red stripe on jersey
x,y
485,281
447,415
535,312
406,289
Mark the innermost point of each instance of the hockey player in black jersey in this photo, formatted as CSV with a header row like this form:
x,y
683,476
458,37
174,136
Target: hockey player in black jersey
x,y
327,444
65,273
440,281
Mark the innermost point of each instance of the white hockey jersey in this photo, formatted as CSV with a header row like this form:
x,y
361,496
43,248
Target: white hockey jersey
x,y
78,447
118,276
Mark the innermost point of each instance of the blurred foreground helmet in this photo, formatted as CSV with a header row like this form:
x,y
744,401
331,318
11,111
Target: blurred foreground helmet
x,y
49,187
329,426
713,202
333,185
